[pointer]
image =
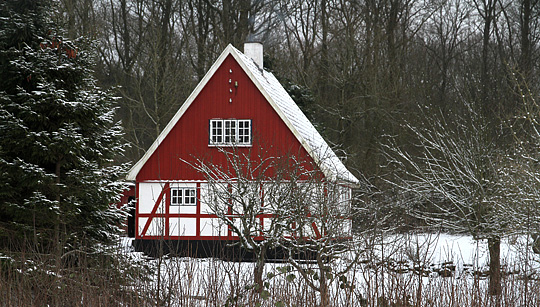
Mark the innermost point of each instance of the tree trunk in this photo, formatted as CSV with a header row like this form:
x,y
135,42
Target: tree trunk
x,y
226,22
325,299
56,244
494,246
324,62
526,11
487,13
323,283
258,270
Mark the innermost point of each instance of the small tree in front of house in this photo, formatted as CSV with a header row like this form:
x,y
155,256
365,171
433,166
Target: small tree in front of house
x,y
321,228
250,196
279,202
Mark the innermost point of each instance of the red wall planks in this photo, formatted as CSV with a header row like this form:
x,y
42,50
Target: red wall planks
x,y
189,138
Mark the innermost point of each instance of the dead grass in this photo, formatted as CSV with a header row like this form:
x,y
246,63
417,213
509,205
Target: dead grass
x,y
129,279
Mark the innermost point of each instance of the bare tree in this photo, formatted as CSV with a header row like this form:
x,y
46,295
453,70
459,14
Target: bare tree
x,y
198,22
281,204
455,181
445,38
251,197
141,51
322,228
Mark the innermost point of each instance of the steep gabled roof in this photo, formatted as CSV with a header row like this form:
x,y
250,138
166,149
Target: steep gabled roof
x,y
284,106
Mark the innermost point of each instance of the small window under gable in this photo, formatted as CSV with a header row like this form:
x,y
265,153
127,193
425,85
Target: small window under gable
x,y
244,132
183,197
230,132
216,131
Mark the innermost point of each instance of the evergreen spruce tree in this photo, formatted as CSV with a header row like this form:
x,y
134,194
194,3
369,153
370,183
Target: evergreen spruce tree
x,y
58,137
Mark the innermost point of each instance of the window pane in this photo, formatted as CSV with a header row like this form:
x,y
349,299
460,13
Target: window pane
x,y
189,197
176,196
244,131
216,131
240,131
230,131
227,131
191,194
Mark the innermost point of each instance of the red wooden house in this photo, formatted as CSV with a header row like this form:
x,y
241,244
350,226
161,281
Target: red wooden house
x,y
236,104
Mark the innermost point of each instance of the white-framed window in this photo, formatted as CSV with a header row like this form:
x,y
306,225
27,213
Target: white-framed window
x,y
183,196
244,132
216,131
229,132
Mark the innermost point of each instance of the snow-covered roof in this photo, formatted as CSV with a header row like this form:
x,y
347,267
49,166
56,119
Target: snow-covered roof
x,y
332,167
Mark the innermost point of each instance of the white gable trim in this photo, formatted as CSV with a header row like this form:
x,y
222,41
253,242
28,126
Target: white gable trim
x,y
283,117
241,60
134,171
322,158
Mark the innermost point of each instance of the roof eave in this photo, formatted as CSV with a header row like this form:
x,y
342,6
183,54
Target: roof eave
x,y
332,175
134,171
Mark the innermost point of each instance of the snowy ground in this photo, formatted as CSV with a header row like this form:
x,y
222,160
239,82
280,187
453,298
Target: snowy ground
x,y
400,259
439,251
433,250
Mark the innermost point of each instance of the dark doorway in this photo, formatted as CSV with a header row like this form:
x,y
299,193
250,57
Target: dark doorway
x,y
131,217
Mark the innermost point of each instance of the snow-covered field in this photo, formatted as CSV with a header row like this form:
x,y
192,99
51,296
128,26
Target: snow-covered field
x,y
440,268
436,251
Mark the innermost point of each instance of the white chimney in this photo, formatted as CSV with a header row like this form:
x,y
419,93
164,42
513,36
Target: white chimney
x,y
255,52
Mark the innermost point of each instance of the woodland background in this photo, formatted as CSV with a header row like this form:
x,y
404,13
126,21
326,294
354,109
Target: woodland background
x,y
359,69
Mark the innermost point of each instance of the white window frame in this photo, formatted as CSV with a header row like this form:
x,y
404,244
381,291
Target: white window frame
x,y
244,132
184,196
216,131
230,132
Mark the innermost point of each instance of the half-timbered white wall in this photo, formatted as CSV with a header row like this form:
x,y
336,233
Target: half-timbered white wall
x,y
199,221
148,195
210,226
